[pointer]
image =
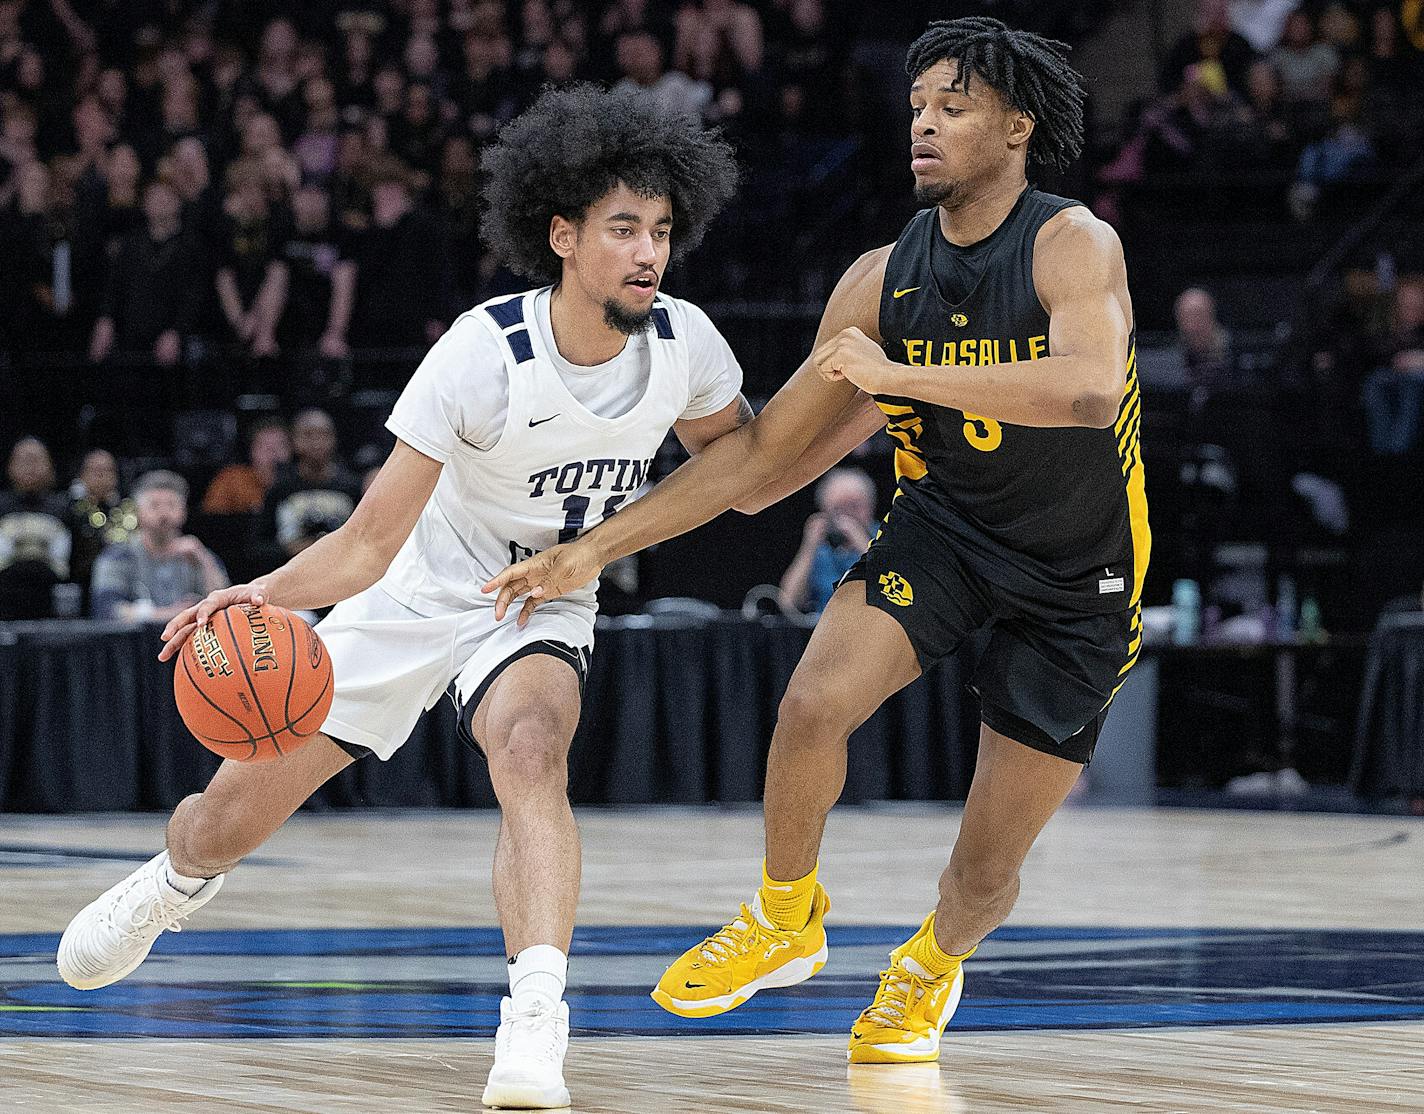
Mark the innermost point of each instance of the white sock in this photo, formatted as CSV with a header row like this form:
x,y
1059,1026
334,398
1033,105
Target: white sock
x,y
181,882
537,976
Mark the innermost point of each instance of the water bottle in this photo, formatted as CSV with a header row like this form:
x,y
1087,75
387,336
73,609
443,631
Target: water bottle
x,y
1311,628
1285,609
1186,612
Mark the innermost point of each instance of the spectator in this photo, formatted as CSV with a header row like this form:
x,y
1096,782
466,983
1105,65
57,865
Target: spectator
x,y
153,292
623,17
834,538
27,261
484,90
1260,22
458,199
1306,65
251,277
357,65
98,514
316,148
1393,395
314,497
1338,155
718,41
275,76
402,269
159,571
123,197
187,169
1205,344
808,61
561,63
640,60
1211,44
321,278
35,541
416,131
243,488
18,127
1269,148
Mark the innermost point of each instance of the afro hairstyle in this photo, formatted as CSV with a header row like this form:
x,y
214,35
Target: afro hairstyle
x,y
573,146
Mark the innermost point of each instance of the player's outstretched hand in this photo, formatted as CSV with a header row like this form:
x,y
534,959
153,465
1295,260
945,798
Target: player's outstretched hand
x,y
543,577
182,625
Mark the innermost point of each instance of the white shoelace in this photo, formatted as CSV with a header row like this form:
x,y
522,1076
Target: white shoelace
x,y
137,918
534,1033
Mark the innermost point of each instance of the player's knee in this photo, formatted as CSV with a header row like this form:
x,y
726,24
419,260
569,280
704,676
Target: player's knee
x,y
533,753
207,836
814,712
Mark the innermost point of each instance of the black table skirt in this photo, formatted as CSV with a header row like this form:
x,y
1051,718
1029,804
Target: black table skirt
x,y
675,711
1389,736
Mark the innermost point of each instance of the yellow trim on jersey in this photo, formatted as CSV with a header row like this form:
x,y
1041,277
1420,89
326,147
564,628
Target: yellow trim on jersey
x,y
905,426
1134,648
1128,429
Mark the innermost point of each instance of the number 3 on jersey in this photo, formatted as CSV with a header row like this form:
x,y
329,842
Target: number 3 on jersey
x,y
576,507
985,434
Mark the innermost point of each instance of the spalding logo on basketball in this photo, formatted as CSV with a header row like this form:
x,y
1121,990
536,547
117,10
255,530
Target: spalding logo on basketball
x,y
253,683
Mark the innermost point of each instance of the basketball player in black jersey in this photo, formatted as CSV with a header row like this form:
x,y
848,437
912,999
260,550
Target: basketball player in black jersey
x,y
994,342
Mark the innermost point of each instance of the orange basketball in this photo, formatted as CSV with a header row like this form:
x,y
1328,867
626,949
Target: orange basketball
x,y
253,683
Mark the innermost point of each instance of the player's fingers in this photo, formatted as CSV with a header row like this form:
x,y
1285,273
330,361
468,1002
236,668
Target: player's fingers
x,y
527,611
184,619
500,579
175,642
507,595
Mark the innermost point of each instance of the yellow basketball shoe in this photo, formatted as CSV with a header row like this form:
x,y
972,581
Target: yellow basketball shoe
x,y
730,966
904,1023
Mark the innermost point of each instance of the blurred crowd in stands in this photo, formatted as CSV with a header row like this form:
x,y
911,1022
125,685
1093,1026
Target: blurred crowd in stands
x,y
229,225
1271,90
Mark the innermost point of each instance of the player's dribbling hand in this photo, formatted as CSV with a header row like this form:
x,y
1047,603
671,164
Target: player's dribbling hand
x,y
543,577
853,356
182,625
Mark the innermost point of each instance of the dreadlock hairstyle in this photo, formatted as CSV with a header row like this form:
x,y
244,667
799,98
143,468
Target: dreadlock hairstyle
x,y
1031,72
574,145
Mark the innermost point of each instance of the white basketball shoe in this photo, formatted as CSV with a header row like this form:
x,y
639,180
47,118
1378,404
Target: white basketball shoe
x,y
528,1072
112,935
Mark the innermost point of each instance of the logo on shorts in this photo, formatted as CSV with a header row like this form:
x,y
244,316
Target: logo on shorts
x,y
896,589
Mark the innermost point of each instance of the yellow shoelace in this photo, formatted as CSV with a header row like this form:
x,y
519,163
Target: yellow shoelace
x,y
900,990
730,942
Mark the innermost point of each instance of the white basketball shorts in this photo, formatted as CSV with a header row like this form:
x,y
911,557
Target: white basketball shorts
x,y
391,663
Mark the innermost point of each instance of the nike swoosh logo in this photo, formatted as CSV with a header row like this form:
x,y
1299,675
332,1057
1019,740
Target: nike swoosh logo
x,y
781,889
541,421
902,293
694,985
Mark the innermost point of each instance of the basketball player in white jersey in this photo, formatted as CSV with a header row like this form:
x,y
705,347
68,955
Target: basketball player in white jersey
x,y
532,419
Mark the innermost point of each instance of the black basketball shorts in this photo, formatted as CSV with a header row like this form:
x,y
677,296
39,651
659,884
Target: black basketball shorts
x,y
1046,677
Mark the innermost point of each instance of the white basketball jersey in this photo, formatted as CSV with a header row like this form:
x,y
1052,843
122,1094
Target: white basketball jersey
x,y
556,470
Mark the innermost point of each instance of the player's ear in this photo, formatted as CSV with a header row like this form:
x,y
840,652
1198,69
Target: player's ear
x,y
1020,128
562,235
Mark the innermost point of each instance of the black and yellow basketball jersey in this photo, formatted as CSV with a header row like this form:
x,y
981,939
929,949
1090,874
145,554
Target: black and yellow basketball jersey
x,y
1056,516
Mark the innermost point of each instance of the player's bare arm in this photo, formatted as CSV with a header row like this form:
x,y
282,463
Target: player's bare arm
x,y
729,470
346,561
1082,281
697,433
860,420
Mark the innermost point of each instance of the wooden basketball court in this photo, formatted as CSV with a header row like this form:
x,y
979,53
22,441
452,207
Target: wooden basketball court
x,y
1158,960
